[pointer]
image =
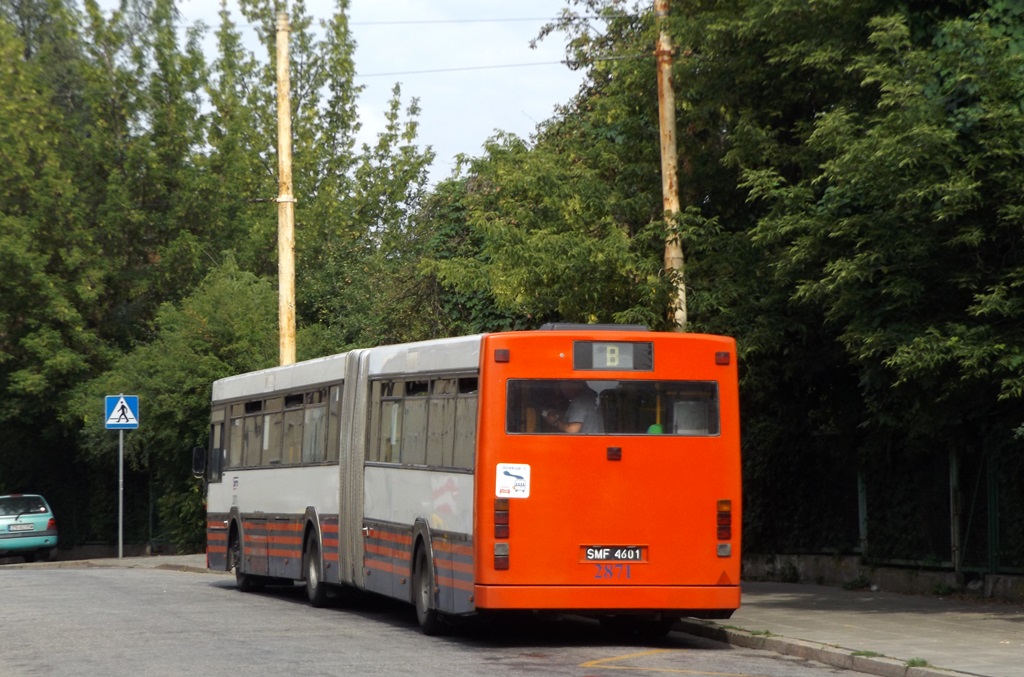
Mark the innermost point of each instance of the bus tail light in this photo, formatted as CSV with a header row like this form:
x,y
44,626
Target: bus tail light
x,y
501,518
501,529
724,520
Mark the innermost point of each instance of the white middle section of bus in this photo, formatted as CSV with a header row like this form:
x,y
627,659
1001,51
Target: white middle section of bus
x,y
281,491
402,495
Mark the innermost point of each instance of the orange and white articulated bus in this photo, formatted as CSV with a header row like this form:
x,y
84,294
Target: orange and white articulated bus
x,y
590,470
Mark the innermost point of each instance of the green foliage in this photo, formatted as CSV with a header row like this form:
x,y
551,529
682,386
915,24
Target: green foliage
x,y
131,168
226,327
183,515
905,239
850,178
551,246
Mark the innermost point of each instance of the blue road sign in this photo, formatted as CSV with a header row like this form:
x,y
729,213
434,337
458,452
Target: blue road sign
x,y
122,412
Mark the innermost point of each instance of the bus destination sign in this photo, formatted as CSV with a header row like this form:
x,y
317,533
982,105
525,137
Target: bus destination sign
x,y
613,355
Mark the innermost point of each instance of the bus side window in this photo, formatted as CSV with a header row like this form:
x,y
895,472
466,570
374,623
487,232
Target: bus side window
x,y
441,423
465,430
414,420
216,454
293,417
314,434
334,423
235,442
273,433
252,454
386,422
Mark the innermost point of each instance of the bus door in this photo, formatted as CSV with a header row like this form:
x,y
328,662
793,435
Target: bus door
x,y
608,467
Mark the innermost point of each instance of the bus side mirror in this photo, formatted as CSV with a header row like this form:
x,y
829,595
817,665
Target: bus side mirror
x,y
198,461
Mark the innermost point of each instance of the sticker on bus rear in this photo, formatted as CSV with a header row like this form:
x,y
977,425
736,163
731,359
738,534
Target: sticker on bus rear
x,y
513,480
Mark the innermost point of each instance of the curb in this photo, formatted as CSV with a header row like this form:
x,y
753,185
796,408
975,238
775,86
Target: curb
x,y
126,563
835,656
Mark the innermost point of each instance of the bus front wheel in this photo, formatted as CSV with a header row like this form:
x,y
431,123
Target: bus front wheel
x,y
244,582
431,620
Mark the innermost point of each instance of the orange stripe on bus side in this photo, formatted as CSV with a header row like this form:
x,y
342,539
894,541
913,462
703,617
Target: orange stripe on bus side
x,y
284,553
453,548
394,537
389,567
461,567
284,526
386,552
458,583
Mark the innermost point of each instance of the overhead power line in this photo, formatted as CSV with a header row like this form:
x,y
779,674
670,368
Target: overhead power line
x,y
625,57
460,68
418,22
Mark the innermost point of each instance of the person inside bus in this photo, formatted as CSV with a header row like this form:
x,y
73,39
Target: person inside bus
x,y
583,415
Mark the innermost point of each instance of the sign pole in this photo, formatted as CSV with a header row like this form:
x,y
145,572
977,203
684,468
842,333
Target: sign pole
x,y
122,413
120,494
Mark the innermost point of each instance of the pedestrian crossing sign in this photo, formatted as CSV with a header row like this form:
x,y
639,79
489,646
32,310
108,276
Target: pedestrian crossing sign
x,y
122,412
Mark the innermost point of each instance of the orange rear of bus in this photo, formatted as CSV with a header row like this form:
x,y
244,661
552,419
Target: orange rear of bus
x,y
639,512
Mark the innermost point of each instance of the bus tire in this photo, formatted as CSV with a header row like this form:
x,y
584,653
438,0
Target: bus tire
x,y
431,620
316,589
243,581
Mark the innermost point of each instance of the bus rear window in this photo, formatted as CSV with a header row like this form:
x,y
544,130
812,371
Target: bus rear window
x,y
561,406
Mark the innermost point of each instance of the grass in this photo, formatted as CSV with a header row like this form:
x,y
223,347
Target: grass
x,y
917,663
868,654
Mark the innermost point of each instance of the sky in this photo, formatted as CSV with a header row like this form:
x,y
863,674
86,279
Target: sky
x,y
469,63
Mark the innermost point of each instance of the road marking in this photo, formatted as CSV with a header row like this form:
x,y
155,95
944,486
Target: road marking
x,y
603,664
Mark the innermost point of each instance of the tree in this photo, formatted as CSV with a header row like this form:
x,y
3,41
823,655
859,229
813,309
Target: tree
x,y
227,326
51,277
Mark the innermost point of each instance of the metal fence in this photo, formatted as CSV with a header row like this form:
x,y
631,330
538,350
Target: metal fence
x,y
961,511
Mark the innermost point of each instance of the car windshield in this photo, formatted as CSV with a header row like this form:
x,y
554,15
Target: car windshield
x,y
21,505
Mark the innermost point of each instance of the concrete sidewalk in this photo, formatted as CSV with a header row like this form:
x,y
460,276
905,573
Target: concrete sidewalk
x,y
878,633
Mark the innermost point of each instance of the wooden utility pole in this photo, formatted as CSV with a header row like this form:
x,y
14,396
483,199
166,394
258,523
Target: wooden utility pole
x,y
285,200
669,167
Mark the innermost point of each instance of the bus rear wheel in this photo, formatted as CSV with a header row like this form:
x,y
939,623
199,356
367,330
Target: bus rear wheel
x,y
316,589
431,620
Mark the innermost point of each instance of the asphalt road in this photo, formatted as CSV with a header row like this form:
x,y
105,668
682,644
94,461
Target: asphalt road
x,y
117,621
